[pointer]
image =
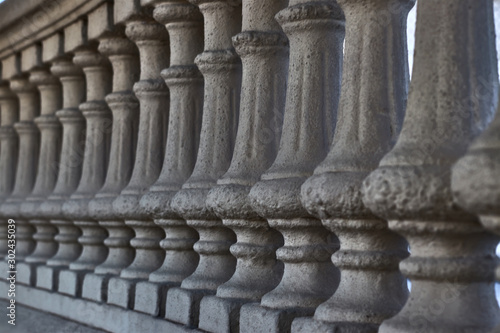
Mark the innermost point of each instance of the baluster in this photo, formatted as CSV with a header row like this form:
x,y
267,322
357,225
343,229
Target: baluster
x,y
184,23
263,49
123,55
71,160
475,184
8,154
221,69
152,40
98,118
28,135
97,72
50,142
371,110
315,31
452,257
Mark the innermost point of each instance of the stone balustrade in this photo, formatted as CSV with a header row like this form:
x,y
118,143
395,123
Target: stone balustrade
x,y
251,165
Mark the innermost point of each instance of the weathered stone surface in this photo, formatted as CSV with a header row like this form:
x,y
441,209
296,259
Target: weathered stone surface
x,y
184,24
371,288
69,172
152,40
451,260
204,187
123,55
263,49
315,31
221,69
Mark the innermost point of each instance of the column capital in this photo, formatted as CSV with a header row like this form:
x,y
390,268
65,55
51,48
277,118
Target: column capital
x,y
170,12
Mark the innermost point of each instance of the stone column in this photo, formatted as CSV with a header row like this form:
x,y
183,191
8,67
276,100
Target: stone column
x,y
28,134
371,111
184,23
124,58
221,69
452,258
49,126
475,185
50,139
95,160
152,40
70,166
8,154
315,31
263,49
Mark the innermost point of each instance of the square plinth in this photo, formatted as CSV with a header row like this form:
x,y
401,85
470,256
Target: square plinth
x,y
47,277
307,324
183,306
95,287
150,297
257,318
70,282
26,273
219,315
121,292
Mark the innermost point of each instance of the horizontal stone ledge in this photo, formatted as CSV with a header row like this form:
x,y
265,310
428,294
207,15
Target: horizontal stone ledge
x,y
97,315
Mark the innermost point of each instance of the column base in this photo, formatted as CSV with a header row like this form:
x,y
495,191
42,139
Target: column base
x,y
307,325
150,297
95,287
70,282
26,273
121,292
257,318
220,315
47,277
183,306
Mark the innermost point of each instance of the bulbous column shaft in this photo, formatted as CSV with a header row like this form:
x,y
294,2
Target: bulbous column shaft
x,y
95,160
371,111
8,152
27,162
221,70
50,145
315,31
411,188
124,58
70,163
263,49
152,40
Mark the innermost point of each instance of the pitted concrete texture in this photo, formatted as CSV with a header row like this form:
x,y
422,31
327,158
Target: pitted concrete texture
x,y
33,321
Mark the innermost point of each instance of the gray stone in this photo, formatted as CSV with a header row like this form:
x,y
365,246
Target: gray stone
x,y
263,49
221,70
451,264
